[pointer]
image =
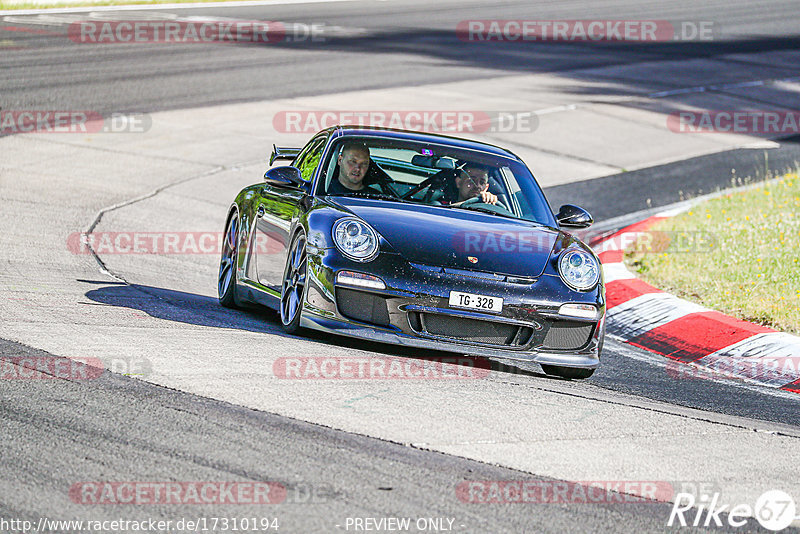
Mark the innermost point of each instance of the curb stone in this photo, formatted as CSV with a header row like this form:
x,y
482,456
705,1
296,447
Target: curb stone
x,y
702,343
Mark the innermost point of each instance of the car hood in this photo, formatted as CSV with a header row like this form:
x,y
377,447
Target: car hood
x,y
460,238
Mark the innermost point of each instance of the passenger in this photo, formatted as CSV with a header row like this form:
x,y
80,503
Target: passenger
x,y
471,182
353,163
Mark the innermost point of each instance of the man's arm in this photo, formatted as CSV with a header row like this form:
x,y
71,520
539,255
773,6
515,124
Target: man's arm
x,y
485,196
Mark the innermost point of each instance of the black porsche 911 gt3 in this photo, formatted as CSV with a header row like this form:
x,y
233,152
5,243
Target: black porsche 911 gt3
x,y
421,240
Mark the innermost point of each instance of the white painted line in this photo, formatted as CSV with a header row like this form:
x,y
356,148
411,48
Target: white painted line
x,y
672,212
761,144
143,7
646,312
70,18
623,221
616,271
719,87
556,109
722,87
682,91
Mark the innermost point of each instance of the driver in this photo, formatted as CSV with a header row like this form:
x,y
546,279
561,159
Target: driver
x,y
353,163
472,182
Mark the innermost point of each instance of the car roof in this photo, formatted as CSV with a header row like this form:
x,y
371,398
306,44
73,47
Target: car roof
x,y
366,131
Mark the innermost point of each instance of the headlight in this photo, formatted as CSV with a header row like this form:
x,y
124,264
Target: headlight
x,y
355,239
578,269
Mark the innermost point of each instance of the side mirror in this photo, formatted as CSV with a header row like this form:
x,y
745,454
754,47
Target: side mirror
x,y
285,176
573,217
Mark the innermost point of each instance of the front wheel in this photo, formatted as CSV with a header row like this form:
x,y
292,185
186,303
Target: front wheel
x,y
294,284
567,372
226,285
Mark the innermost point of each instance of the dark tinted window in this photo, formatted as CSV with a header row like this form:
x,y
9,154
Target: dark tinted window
x,y
400,168
308,159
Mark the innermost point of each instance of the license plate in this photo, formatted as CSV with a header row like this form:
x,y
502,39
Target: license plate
x,y
475,302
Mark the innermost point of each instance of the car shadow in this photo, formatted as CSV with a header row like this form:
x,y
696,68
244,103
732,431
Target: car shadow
x,y
178,306
200,310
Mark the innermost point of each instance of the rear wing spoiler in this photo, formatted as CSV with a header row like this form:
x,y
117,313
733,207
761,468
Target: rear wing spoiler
x,y
282,152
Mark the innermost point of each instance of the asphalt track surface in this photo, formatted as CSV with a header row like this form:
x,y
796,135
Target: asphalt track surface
x,y
367,45
118,428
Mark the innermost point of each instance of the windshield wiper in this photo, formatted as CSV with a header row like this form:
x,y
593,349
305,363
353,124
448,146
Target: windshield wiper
x,y
512,216
473,207
376,195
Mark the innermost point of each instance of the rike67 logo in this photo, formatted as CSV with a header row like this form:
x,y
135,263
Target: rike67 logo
x,y
775,510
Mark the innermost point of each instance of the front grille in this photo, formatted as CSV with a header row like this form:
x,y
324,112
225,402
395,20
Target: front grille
x,y
362,307
567,335
472,330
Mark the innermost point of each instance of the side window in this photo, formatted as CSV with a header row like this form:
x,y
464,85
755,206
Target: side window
x,y
308,160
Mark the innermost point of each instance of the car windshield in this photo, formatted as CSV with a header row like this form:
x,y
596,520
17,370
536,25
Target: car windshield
x,y
395,170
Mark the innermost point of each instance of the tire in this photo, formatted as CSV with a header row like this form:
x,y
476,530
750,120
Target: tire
x,y
568,372
294,284
226,281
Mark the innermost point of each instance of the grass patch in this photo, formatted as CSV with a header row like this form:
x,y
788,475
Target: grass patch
x,y
737,253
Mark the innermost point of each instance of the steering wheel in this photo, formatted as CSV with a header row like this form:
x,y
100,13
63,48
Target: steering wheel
x,y
478,202
377,176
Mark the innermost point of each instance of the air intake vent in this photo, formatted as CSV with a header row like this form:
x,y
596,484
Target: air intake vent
x,y
472,330
568,335
362,307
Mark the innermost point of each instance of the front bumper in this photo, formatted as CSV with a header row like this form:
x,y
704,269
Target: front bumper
x,y
584,360
415,292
